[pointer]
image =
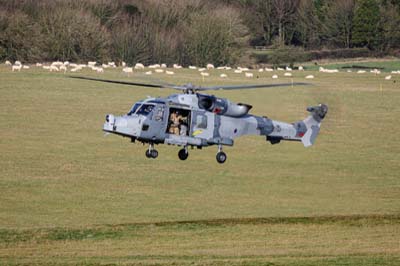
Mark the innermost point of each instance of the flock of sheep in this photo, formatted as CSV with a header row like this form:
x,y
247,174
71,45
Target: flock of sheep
x,y
59,66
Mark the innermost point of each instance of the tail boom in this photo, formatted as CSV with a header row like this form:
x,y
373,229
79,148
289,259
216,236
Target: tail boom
x,y
305,130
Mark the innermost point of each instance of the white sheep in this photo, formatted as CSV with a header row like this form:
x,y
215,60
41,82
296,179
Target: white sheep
x,y
280,69
105,66
123,64
176,66
158,70
388,77
148,73
301,68
288,69
111,64
53,68
361,71
139,66
205,74
46,67
163,65
269,69
25,67
8,63
202,69
192,67
17,63
127,70
66,63
92,63
16,67
99,70
396,72
63,68
223,75
275,76
39,64
310,77
261,70
210,66
248,75
169,72
287,74
238,71
375,71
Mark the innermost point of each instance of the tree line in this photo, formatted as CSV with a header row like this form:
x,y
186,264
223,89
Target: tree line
x,y
190,31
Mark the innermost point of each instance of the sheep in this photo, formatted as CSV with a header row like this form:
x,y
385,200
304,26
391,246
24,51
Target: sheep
x,y
243,68
148,73
205,74
349,71
269,69
228,68
63,68
92,63
210,66
202,69
375,71
8,63
66,63
169,72
46,67
176,66
163,65
105,66
396,72
238,71
25,67
127,70
192,67
288,69
287,74
18,63
155,66
388,77
221,68
139,66
361,71
99,70
123,64
321,69
39,64
16,67
301,68
280,69
261,70
57,63
111,64
310,77
223,75
158,70
275,76
76,69
53,68
248,75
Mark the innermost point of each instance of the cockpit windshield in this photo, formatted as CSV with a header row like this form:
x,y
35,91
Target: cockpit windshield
x,y
145,109
141,109
134,108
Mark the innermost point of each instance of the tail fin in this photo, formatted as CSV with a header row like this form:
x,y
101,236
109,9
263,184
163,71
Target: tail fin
x,y
312,123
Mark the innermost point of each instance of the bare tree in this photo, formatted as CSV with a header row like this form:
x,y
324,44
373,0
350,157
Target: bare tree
x,y
285,11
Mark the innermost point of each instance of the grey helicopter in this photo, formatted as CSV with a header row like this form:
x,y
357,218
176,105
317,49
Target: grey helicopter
x,y
194,119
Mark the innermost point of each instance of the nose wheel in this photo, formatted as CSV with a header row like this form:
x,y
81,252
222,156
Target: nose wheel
x,y
183,154
221,156
151,152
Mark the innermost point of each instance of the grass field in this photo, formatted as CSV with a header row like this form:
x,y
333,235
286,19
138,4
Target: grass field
x,y
69,195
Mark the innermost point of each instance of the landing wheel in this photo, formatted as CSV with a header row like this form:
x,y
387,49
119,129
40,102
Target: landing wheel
x,y
221,157
183,154
154,154
148,154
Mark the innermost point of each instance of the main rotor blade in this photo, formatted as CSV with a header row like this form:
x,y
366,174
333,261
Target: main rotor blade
x,y
123,82
255,86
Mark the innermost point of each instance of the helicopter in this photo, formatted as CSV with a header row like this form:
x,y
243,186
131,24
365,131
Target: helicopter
x,y
195,119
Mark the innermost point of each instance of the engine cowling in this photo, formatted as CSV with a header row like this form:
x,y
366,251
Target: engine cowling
x,y
222,106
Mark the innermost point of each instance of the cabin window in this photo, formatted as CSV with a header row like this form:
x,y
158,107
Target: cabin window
x,y
145,109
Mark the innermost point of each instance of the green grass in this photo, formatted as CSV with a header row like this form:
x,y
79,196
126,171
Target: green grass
x,y
385,66
69,195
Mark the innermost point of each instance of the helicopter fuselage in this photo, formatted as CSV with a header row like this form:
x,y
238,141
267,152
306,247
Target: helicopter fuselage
x,y
200,120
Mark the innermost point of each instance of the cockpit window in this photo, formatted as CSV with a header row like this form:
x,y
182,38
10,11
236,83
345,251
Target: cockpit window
x,y
145,109
134,108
